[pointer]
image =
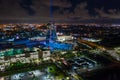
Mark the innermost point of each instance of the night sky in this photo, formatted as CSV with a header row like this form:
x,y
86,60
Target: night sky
x,y
79,11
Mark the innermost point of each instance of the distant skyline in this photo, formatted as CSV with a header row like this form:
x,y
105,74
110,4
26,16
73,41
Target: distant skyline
x,y
79,11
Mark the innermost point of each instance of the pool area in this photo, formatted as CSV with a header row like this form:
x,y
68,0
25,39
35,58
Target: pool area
x,y
13,52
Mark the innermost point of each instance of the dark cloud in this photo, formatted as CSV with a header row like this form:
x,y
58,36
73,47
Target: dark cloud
x,y
63,10
58,3
27,5
110,14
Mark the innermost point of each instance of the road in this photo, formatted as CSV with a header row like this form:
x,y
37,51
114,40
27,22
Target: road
x,y
91,44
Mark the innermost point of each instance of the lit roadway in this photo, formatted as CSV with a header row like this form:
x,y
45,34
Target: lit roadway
x,y
91,44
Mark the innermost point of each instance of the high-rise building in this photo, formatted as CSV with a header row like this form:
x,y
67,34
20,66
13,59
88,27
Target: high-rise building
x,y
51,34
52,42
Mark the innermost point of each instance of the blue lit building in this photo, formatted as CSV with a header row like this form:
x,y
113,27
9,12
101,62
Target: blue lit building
x,y
51,40
51,34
